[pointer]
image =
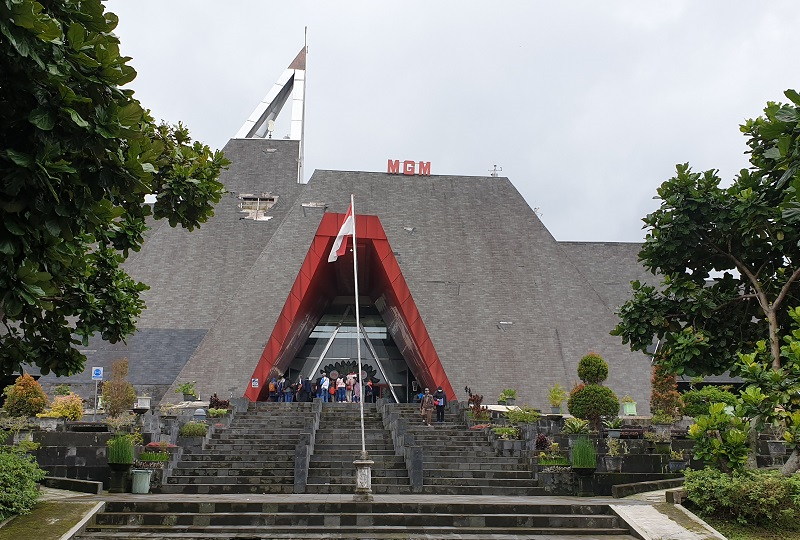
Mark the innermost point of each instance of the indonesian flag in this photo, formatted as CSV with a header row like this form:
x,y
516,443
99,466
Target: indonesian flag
x,y
348,229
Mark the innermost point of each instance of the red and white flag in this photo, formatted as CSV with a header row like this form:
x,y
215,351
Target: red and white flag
x,y
348,229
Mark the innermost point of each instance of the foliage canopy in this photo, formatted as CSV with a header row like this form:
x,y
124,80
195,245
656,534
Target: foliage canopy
x,y
78,154
729,256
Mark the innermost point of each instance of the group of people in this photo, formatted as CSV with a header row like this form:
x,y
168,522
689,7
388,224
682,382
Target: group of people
x,y
341,389
428,402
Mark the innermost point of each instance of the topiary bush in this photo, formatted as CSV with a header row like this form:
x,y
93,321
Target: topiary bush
x,y
591,402
25,397
696,402
592,369
19,478
193,429
759,497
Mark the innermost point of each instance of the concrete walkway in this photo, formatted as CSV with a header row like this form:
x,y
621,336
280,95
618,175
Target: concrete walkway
x,y
647,513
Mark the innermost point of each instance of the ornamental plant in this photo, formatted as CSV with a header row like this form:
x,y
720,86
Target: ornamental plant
x,y
120,449
118,394
506,433
556,395
187,388
25,397
721,438
522,415
591,402
584,455
696,401
574,426
664,395
193,429
19,482
592,369
69,407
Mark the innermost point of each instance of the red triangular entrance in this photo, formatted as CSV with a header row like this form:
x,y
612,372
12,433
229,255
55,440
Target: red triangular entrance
x,y
316,283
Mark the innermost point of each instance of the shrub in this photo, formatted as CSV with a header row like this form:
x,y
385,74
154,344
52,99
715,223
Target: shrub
x,y
477,412
557,395
19,477
25,397
592,369
188,388
575,425
664,395
505,395
120,449
62,390
591,402
754,496
216,413
118,394
215,403
721,439
696,402
583,454
506,433
69,407
522,415
542,443
193,429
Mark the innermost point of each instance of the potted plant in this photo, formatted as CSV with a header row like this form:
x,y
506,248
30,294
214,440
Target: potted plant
x,y
628,406
507,397
662,423
677,461
120,460
613,427
584,457
556,397
142,404
613,459
662,444
575,429
188,390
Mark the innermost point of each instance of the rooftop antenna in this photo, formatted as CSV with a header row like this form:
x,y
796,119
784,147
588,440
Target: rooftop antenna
x,y
493,172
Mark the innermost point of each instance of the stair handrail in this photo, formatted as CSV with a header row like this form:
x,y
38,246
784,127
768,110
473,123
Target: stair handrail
x,y
304,448
404,443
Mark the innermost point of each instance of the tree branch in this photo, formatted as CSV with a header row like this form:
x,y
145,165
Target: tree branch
x,y
785,288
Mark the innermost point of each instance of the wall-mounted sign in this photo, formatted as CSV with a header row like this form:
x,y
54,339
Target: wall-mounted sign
x,y
254,383
410,168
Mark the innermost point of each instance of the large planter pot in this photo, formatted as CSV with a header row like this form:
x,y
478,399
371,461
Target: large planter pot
x,y
613,433
555,410
664,430
662,447
776,448
572,437
118,479
510,401
613,463
189,397
584,471
677,466
629,408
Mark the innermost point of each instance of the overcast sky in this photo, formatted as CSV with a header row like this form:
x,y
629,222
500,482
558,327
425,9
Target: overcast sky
x,y
587,106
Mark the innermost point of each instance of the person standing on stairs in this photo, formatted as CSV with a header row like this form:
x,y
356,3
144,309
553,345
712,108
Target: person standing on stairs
x,y
440,400
426,407
341,396
324,384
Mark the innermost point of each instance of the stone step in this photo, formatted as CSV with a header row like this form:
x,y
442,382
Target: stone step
x,y
248,457
220,489
232,480
178,521
220,471
467,473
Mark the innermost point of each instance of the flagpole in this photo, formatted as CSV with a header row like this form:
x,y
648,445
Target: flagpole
x,y
358,326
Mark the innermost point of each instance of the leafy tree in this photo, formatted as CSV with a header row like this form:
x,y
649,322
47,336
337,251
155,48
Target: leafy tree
x,y
25,397
664,395
78,154
747,232
118,394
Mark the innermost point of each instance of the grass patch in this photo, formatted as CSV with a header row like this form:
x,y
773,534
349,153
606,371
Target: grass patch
x,y
49,520
735,531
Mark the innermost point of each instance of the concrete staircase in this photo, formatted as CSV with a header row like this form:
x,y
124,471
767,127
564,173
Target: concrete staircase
x,y
338,443
255,454
457,461
397,518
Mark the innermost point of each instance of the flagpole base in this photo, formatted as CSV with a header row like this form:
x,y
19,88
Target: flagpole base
x,y
363,492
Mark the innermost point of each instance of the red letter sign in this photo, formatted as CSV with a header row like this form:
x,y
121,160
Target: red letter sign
x,y
408,167
393,167
424,168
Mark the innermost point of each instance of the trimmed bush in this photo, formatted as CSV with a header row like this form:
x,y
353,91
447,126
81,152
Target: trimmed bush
x,y
69,407
522,415
758,497
591,402
664,395
118,394
592,369
25,397
193,429
696,402
19,477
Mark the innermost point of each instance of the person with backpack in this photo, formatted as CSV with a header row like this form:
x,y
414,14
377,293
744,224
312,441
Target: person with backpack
x,y
439,400
426,407
280,388
324,385
273,390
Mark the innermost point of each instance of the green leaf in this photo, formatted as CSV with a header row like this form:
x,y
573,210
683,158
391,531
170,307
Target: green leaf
x,y
23,160
131,114
76,36
76,117
773,153
787,114
793,95
41,118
